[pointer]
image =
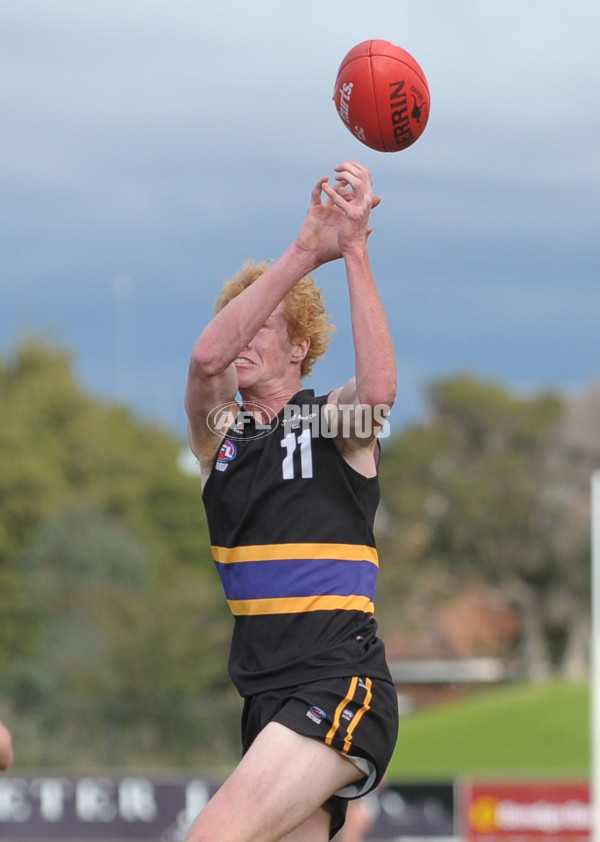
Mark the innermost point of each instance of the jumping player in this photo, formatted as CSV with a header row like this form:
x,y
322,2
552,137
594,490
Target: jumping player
x,y
290,490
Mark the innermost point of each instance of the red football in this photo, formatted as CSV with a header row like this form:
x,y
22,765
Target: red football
x,y
382,96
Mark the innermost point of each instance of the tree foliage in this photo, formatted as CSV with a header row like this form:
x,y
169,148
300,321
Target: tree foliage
x,y
112,622
475,489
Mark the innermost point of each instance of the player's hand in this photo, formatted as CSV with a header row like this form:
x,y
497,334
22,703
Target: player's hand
x,y
353,196
337,221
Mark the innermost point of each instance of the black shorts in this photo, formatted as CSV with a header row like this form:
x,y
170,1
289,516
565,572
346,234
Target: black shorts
x,y
357,716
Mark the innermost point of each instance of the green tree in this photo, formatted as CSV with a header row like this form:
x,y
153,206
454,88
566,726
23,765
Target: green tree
x,y
474,485
128,659
112,624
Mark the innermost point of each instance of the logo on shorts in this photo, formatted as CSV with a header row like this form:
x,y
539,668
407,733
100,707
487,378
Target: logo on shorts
x,y
316,714
347,714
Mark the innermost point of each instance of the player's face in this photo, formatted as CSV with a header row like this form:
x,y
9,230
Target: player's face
x,y
268,357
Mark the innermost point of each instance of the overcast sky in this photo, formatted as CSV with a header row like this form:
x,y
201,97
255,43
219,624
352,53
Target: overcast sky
x,y
148,147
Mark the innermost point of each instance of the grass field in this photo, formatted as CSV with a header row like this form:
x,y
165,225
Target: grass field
x,y
512,731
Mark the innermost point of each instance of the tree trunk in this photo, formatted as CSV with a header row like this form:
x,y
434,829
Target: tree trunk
x,y
576,657
534,649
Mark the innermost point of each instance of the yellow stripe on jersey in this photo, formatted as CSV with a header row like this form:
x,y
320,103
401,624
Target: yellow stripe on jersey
x,y
279,552
300,604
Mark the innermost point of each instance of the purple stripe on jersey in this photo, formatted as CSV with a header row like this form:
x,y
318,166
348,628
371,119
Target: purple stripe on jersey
x,y
298,577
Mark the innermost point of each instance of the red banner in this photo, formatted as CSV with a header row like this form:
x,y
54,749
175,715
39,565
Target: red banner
x,y
528,812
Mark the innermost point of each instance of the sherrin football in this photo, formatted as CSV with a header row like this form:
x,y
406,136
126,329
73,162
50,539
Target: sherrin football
x,y
382,96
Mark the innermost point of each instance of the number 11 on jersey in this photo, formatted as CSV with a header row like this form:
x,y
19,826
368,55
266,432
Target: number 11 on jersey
x,y
290,442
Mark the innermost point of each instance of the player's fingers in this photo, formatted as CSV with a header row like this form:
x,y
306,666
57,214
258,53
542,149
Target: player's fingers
x,y
315,196
352,166
359,182
354,169
335,197
343,191
346,177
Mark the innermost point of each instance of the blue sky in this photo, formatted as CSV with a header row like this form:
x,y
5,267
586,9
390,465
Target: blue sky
x,y
148,148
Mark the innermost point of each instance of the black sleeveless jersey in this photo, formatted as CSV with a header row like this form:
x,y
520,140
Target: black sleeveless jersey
x,y
291,529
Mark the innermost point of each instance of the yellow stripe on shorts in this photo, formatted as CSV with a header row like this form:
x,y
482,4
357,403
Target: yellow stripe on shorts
x,y
350,696
366,706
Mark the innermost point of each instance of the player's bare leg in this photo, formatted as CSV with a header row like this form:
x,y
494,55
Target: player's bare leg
x,y
276,792
314,829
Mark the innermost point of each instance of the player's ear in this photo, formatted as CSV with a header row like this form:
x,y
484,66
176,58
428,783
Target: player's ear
x,y
300,349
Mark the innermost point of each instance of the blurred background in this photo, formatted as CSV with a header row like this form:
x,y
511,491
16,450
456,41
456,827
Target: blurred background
x,y
148,149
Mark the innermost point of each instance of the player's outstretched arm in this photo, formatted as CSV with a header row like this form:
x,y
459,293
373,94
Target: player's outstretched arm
x,y
374,384
212,379
318,242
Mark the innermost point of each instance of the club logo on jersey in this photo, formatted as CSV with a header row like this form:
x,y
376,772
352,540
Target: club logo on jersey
x,y
316,714
227,453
